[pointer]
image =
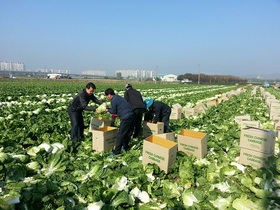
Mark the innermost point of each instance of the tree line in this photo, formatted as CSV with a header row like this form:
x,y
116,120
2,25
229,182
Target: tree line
x,y
204,78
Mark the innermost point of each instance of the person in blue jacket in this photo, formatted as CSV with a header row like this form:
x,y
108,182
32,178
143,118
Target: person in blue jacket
x,y
124,111
77,106
157,112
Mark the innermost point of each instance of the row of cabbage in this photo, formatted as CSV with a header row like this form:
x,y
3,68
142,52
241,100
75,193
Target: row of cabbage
x,y
41,169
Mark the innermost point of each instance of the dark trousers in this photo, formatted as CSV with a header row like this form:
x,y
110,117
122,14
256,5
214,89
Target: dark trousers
x,y
123,136
137,121
165,120
77,125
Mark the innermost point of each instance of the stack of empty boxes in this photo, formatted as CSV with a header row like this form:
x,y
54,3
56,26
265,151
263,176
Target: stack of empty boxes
x,y
274,110
256,145
103,136
277,128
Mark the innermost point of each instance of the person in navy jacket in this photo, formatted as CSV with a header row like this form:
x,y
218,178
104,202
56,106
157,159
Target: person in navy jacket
x,y
135,99
77,106
124,111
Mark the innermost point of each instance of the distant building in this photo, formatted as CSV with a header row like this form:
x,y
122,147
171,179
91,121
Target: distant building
x,y
53,76
167,77
11,66
55,71
135,74
94,73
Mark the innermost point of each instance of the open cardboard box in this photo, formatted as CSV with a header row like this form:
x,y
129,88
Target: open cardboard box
x,y
104,139
152,128
160,151
192,143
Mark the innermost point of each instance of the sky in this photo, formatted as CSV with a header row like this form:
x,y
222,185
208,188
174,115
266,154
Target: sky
x,y
238,37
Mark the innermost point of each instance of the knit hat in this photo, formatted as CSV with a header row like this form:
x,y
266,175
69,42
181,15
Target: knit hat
x,y
128,86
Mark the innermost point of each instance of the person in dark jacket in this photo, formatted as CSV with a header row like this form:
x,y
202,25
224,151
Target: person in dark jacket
x,y
158,112
135,99
77,106
124,111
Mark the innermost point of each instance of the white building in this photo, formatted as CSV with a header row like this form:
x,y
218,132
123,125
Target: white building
x,y
167,77
53,76
11,66
140,74
55,71
94,73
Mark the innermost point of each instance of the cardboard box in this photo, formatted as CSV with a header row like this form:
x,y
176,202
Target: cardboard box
x,y
168,136
192,143
222,99
104,139
211,103
190,112
274,116
200,108
270,100
96,123
249,123
257,139
274,107
176,112
159,151
253,158
240,118
152,128
277,128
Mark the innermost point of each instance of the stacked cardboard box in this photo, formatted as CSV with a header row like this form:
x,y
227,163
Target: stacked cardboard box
x,y
103,139
152,128
159,151
274,110
256,146
192,143
277,128
249,123
240,118
176,112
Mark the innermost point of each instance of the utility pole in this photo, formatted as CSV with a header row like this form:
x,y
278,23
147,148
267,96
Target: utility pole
x,y
198,80
155,78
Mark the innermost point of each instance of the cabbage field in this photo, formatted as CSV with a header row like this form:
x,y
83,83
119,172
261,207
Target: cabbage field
x,y
42,169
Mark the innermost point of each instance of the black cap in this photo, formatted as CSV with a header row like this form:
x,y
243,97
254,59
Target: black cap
x,y
128,86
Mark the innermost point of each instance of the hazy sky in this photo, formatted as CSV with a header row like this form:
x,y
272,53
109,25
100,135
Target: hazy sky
x,y
237,37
